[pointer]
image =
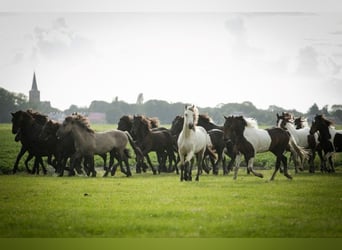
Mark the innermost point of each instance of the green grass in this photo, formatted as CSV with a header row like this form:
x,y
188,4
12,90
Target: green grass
x,y
145,205
162,206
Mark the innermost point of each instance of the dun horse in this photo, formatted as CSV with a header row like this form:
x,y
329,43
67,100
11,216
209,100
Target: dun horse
x,y
88,142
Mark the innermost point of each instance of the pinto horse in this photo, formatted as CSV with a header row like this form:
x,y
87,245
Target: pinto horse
x,y
193,140
249,140
329,138
301,136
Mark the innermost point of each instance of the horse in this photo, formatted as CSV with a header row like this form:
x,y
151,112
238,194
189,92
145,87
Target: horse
x,y
301,136
64,146
301,122
27,126
216,135
249,140
157,139
193,140
88,142
126,121
329,138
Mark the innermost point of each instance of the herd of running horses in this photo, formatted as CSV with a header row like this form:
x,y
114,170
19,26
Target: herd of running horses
x,y
193,138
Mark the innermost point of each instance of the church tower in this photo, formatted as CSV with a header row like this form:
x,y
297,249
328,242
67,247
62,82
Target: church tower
x,y
34,96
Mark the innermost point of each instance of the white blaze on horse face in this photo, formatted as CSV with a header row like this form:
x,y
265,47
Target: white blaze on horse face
x,y
259,138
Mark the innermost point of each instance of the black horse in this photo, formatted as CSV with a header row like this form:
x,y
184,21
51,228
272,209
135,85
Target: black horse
x,y
159,140
27,125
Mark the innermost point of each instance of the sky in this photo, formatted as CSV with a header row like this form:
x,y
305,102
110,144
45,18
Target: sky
x,y
201,52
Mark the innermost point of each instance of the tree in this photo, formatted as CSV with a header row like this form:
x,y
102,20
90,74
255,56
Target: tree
x,y
313,110
140,99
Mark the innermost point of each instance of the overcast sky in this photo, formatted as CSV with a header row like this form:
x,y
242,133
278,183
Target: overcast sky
x,y
201,53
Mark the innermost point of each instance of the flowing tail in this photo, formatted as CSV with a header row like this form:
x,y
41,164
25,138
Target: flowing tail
x,y
298,151
137,150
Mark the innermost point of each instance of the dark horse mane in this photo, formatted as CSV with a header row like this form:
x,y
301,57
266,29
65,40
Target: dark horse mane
x,y
81,121
324,119
38,117
144,121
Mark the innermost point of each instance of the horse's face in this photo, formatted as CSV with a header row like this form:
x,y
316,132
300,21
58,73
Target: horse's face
x,y
227,127
65,128
189,118
17,121
125,123
283,119
314,128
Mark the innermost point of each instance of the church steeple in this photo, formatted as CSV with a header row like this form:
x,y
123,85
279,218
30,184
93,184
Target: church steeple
x,y
34,96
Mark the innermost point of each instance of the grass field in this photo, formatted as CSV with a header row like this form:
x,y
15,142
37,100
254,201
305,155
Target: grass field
x,y
145,205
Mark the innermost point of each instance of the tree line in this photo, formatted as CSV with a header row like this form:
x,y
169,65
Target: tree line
x,y
165,111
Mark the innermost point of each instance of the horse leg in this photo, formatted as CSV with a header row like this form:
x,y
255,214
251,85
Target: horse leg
x,y
284,161
29,157
277,167
125,160
199,164
188,167
20,154
150,162
237,165
250,167
181,157
329,158
311,161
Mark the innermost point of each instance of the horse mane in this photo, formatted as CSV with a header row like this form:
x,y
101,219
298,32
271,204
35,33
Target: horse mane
x,y
81,121
251,122
154,122
328,122
38,117
145,121
205,118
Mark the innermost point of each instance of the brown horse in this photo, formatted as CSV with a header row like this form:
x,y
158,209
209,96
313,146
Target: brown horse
x,y
158,140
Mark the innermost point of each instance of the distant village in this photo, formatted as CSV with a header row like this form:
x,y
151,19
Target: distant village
x,y
103,112
34,100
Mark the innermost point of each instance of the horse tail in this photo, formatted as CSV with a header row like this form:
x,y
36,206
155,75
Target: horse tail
x,y
136,149
209,147
298,151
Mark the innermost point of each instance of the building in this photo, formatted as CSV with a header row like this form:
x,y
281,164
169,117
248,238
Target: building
x,y
34,95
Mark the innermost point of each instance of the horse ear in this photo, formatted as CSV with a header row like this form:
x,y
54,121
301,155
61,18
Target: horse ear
x,y
12,114
225,117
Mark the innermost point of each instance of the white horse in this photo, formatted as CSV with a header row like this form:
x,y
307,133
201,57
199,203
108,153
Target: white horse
x,y
193,140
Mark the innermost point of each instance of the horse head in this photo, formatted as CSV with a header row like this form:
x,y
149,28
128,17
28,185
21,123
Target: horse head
x,y
321,124
191,116
177,125
300,122
19,120
283,119
125,123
